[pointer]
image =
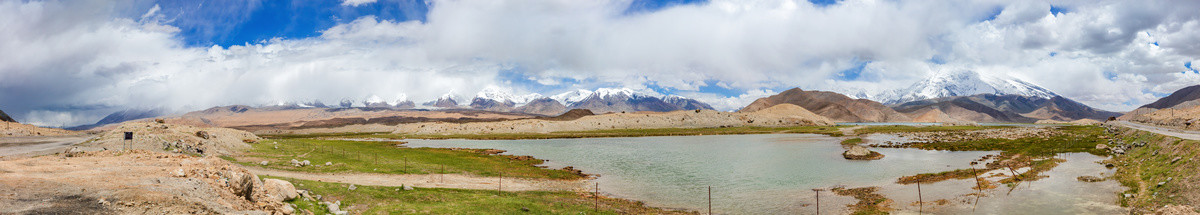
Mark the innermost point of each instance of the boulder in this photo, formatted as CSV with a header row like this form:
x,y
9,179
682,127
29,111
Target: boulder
x,y
279,190
264,163
406,187
1101,146
352,187
204,134
242,184
861,153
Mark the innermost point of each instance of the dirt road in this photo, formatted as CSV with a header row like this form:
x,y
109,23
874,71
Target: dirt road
x,y
11,147
428,181
1191,135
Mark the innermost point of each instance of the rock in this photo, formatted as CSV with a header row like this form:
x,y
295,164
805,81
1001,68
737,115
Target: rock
x,y
406,187
204,134
287,209
335,208
1088,178
264,163
1176,159
179,173
279,190
352,187
242,184
305,163
861,153
73,152
328,163
1101,146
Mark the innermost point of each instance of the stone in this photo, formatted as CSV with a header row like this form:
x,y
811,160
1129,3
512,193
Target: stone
x,y
861,153
328,163
1101,146
264,163
305,163
1088,178
204,134
179,173
1176,159
406,187
287,209
352,187
242,184
279,190
335,208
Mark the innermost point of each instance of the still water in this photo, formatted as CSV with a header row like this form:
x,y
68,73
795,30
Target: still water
x,y
775,174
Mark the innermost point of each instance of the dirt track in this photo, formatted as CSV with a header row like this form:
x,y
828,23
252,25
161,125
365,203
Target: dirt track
x,y
31,146
1191,135
428,181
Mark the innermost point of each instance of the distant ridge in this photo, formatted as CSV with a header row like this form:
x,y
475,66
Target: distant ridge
x,y
4,117
831,105
1180,96
1005,108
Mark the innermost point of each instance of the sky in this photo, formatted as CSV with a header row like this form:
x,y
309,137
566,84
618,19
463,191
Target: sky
x,y
65,63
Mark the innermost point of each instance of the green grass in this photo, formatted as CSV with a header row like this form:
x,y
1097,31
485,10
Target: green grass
x,y
1074,139
385,157
827,130
905,128
852,141
1141,169
394,200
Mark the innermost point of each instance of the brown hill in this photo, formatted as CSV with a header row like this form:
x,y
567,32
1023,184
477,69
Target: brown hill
x,y
1006,108
834,106
1186,94
781,115
5,117
542,106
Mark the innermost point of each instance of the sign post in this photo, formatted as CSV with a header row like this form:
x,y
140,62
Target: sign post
x,y
128,140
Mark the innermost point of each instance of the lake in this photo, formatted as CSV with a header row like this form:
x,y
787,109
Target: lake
x,y
775,174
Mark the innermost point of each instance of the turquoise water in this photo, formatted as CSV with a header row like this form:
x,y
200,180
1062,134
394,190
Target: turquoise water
x,y
749,174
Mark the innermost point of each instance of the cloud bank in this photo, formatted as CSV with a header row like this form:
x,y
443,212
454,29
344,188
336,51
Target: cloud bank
x,y
69,63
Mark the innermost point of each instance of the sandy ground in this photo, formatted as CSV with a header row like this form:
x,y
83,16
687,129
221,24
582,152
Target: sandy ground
x,y
12,129
1184,117
223,117
16,147
779,115
430,180
1191,135
130,182
153,136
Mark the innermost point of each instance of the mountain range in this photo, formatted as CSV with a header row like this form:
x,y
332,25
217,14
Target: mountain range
x,y
952,83
831,105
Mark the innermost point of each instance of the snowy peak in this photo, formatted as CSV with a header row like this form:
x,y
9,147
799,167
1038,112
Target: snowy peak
x,y
502,95
964,83
605,93
571,97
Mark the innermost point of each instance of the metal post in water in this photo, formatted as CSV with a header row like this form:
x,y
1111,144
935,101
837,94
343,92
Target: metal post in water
x,y
818,191
920,201
709,200
596,198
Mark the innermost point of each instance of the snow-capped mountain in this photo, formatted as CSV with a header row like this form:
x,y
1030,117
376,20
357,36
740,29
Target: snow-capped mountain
x,y
959,83
571,97
502,95
375,101
605,100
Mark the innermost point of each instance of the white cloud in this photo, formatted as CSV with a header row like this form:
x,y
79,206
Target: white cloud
x,y
81,57
356,3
